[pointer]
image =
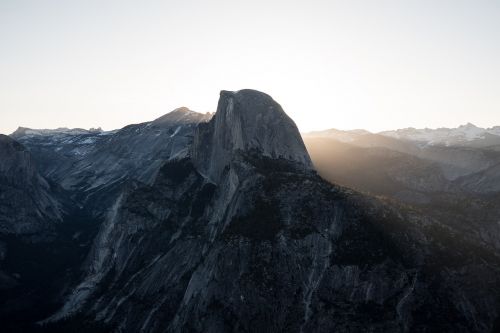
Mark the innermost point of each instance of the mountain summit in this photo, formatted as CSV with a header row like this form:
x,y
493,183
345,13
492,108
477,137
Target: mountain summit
x,y
182,116
221,225
239,235
247,121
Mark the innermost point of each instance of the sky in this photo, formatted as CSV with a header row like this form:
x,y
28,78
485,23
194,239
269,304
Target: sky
x,y
376,65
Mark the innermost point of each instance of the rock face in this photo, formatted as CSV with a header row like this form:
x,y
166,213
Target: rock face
x,y
96,165
242,235
42,253
56,150
246,120
32,211
27,205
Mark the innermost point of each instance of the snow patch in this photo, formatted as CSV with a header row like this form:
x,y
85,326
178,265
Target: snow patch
x,y
443,136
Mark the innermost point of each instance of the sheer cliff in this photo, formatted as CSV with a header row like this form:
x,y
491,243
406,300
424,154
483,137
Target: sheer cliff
x,y
246,120
241,234
27,202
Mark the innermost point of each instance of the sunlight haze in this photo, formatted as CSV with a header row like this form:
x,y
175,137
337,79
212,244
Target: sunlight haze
x,y
375,65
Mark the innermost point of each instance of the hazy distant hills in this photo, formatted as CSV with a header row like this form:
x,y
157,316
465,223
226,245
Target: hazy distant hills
x,y
233,221
458,183
458,152
464,135
467,135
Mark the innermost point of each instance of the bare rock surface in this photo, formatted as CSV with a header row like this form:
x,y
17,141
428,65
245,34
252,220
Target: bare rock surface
x,y
27,204
241,234
246,120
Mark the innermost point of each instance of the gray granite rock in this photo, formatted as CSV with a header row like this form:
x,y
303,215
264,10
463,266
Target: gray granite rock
x,y
242,235
246,120
27,204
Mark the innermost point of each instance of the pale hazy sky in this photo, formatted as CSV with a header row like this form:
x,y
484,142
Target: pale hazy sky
x,y
343,64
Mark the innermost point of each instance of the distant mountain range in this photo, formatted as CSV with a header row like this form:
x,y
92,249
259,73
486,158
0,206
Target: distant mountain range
x,y
464,135
458,183
233,221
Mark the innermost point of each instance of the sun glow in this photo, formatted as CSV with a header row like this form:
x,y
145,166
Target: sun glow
x,y
346,65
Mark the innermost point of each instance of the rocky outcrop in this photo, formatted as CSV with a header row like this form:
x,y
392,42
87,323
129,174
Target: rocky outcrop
x,y
136,151
44,237
246,120
95,166
31,211
27,204
242,235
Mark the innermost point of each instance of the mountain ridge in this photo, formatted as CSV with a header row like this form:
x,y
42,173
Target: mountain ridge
x,y
260,243
463,135
220,223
